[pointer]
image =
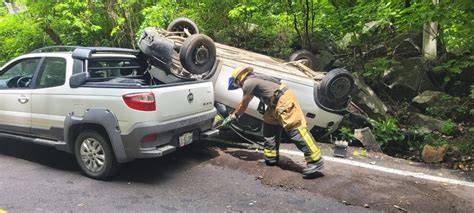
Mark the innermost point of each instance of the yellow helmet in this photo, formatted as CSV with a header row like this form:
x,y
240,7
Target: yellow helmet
x,y
238,74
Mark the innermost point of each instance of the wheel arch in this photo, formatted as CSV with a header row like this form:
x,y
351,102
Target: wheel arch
x,y
101,120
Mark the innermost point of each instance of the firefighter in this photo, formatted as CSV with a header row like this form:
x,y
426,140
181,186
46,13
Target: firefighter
x,y
283,112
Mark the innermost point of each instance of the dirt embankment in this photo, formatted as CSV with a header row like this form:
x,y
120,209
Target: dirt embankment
x,y
352,185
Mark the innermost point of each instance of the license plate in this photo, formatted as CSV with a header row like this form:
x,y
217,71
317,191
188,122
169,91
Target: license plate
x,y
185,139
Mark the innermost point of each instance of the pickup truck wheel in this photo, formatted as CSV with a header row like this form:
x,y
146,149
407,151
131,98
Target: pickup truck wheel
x,y
307,56
94,155
179,24
198,54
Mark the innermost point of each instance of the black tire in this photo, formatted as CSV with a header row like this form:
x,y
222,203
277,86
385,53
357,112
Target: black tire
x,y
304,55
110,165
337,85
179,24
198,54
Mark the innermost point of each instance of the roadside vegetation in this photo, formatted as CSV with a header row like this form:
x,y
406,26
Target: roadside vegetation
x,y
417,100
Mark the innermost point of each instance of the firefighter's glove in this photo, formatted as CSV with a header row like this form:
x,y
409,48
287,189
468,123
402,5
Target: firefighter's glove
x,y
230,119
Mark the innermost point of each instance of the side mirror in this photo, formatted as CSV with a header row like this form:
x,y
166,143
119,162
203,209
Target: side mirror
x,y
78,79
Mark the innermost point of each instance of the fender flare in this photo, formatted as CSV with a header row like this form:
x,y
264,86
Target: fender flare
x,y
104,118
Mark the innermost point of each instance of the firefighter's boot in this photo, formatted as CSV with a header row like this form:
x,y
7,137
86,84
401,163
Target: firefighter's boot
x,y
271,133
313,167
305,142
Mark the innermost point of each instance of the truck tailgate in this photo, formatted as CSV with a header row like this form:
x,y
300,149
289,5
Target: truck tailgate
x,y
181,100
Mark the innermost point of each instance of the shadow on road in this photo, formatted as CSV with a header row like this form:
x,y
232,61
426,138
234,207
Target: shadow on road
x,y
35,153
141,170
154,171
284,163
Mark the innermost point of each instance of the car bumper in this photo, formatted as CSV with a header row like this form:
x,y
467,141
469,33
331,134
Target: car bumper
x,y
166,135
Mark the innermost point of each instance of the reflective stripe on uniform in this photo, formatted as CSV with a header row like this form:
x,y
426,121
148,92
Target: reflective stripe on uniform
x,y
310,143
270,153
313,157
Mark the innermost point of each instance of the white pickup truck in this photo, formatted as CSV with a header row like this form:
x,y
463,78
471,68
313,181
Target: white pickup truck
x,y
102,105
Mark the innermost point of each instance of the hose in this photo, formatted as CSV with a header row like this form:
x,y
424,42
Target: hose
x,y
233,127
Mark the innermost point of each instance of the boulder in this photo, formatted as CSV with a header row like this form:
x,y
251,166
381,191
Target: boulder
x,y
407,79
406,44
427,98
407,48
425,124
366,137
323,60
347,40
366,99
431,154
444,105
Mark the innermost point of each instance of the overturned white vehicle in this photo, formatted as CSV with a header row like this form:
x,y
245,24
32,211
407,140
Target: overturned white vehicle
x,y
181,53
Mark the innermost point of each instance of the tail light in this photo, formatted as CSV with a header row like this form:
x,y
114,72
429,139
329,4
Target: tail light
x,y
140,101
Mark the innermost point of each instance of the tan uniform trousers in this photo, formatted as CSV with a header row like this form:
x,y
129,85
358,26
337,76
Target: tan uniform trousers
x,y
288,114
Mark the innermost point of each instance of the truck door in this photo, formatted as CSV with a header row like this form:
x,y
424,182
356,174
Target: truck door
x,y
15,95
50,99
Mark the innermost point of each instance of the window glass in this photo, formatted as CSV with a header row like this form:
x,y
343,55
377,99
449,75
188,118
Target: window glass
x,y
20,74
53,72
114,68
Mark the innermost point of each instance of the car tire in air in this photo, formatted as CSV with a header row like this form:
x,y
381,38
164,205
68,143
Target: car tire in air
x,y
179,24
198,54
337,84
310,60
95,156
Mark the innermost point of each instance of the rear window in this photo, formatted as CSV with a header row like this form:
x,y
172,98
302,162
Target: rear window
x,y
115,68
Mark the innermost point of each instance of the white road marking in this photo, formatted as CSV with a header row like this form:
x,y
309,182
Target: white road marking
x,y
387,170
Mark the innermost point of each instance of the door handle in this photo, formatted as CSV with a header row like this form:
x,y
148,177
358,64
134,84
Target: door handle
x,y
23,99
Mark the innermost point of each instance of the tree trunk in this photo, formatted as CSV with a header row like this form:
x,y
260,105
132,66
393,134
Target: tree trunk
x,y
430,34
53,35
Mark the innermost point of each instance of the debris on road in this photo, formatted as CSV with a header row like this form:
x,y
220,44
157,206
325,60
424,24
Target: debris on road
x,y
360,153
400,208
366,206
346,203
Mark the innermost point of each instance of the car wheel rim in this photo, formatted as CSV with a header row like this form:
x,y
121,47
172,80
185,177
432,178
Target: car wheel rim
x,y
92,155
201,55
341,87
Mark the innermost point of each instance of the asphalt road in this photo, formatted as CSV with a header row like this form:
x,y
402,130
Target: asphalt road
x,y
206,178
39,179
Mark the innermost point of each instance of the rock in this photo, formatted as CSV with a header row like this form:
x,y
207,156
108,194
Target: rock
x,y
407,44
324,60
407,48
366,99
407,78
366,137
467,74
432,154
437,99
425,124
442,105
345,41
427,98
